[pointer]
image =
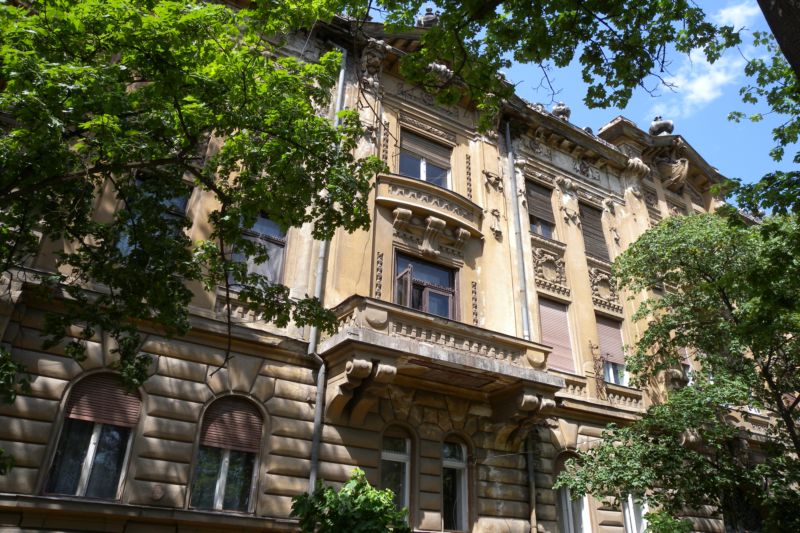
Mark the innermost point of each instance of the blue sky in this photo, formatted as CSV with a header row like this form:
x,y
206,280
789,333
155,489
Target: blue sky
x,y
699,105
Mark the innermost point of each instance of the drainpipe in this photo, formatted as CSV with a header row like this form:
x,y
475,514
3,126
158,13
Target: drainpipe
x,y
523,289
530,464
319,286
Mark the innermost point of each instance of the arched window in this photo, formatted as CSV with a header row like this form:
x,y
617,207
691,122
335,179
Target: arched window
x,y
226,466
573,510
454,485
396,465
95,439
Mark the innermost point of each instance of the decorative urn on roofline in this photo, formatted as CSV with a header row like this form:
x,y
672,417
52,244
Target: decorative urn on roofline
x,y
561,110
660,126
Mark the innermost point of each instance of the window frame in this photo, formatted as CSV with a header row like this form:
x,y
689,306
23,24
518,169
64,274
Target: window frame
x,y
461,467
221,480
567,515
405,281
630,523
397,457
87,465
423,160
260,239
615,373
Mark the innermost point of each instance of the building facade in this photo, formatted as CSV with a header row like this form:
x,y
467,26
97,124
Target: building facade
x,y
480,341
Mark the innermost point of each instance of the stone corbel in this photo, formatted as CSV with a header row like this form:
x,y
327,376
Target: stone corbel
x,y
402,217
461,238
340,394
514,415
493,180
369,393
430,240
634,173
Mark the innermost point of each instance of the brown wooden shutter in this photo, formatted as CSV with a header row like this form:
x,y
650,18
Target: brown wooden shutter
x,y
609,334
436,153
539,204
593,238
555,332
101,398
232,423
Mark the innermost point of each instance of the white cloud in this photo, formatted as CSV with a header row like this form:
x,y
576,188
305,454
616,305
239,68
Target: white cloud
x,y
698,83
738,15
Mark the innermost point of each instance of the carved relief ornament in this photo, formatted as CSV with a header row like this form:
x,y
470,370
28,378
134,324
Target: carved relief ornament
x,y
428,128
550,271
372,57
604,294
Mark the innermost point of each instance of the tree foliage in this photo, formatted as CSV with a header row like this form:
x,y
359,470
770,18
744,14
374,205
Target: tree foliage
x,y
357,507
731,300
140,102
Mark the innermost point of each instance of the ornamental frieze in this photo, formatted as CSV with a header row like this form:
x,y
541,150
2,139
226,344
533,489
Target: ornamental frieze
x,y
604,294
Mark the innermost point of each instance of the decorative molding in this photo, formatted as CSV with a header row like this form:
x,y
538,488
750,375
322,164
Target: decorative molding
x,y
566,186
610,206
379,275
428,128
604,294
493,180
468,165
584,168
385,142
497,231
424,197
540,149
419,96
355,391
570,215
550,270
475,303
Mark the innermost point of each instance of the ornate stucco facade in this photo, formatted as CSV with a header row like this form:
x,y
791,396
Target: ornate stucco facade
x,y
457,363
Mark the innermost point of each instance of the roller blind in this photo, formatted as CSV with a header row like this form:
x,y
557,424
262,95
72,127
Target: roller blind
x,y
539,204
609,334
101,398
593,238
555,332
232,423
436,153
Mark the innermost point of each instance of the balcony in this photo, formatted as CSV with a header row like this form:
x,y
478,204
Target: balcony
x,y
414,199
380,343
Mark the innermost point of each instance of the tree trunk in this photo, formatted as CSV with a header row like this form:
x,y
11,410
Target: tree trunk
x,y
783,17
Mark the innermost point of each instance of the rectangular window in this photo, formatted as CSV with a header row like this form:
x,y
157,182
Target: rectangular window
x,y
554,322
223,479
454,486
424,160
173,218
425,286
593,238
395,468
272,238
540,210
609,338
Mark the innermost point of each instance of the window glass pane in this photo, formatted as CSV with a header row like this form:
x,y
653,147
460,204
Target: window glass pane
x,y
66,471
239,481
272,269
410,165
546,229
206,473
416,296
393,476
577,515
439,304
435,174
265,226
452,450
395,444
451,504
433,274
108,460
